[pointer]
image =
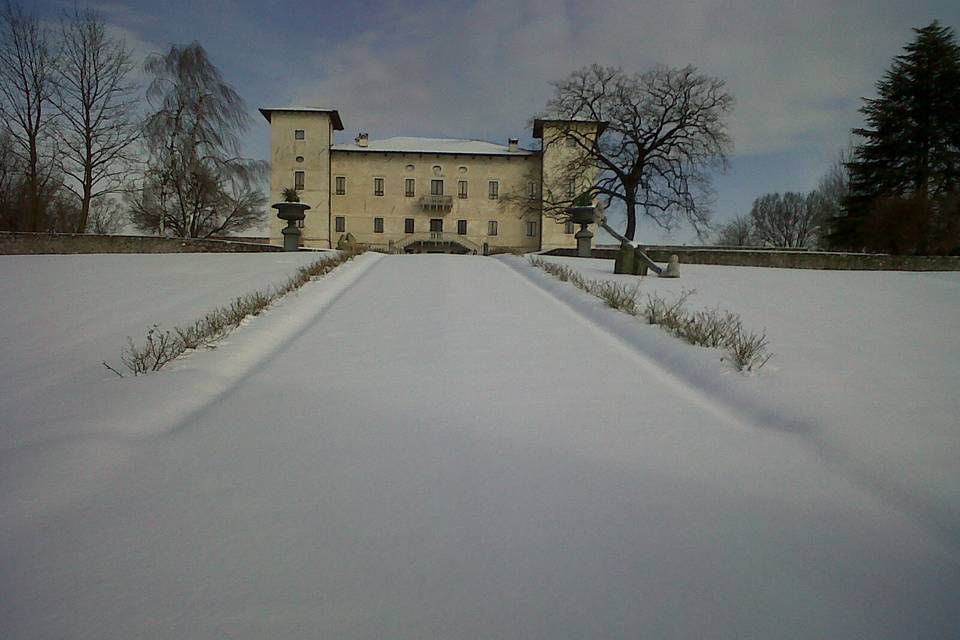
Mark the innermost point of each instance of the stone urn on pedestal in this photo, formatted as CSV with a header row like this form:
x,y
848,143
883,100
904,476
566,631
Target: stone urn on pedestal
x,y
583,213
291,210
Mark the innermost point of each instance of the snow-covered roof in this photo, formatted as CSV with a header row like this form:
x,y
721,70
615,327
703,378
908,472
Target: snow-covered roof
x,y
334,114
433,145
539,122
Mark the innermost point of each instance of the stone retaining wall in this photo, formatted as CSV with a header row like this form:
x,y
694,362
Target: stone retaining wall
x,y
17,243
786,259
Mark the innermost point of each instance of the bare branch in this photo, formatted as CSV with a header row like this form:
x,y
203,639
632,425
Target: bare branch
x,y
784,220
196,183
26,68
664,134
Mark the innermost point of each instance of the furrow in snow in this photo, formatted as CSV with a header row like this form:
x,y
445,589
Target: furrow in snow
x,y
731,395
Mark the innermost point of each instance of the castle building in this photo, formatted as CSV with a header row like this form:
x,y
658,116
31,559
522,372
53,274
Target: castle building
x,y
421,194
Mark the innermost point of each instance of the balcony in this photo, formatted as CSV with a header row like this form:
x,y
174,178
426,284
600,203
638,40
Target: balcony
x,y
436,203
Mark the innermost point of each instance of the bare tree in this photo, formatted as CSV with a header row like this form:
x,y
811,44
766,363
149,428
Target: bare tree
x,y
96,102
664,132
11,184
27,66
736,233
106,216
831,192
784,220
196,184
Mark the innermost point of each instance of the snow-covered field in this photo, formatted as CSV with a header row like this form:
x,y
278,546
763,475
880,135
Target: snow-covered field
x,y
63,315
866,371
460,447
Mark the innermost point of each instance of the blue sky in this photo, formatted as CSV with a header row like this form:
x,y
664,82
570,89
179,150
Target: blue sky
x,y
480,69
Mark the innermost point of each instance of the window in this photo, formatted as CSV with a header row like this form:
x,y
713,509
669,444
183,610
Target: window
x,y
462,189
571,142
378,225
531,229
300,224
462,227
492,228
533,189
341,185
298,180
572,190
298,134
408,225
409,187
493,190
378,186
340,224
436,225
436,187
569,227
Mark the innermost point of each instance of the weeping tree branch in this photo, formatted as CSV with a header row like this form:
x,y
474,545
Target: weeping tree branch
x,y
197,183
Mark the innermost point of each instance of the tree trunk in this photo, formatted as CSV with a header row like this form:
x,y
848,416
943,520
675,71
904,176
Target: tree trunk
x,y
87,185
631,219
85,201
33,190
84,211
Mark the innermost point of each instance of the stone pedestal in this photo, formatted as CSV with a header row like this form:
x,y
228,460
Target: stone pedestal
x,y
639,264
584,242
291,236
624,260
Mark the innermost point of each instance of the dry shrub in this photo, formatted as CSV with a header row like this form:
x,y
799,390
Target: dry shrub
x,y
714,328
709,328
748,351
670,315
617,296
158,349
565,274
161,347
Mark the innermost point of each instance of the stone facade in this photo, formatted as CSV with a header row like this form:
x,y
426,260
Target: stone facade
x,y
413,194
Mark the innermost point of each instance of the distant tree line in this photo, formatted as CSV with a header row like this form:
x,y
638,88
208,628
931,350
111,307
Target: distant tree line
x,y
79,154
898,189
791,220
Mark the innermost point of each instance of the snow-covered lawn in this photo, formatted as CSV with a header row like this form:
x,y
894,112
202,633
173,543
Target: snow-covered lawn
x,y
451,447
866,371
61,316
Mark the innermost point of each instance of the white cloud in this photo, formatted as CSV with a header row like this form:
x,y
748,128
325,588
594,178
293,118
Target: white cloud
x,y
796,69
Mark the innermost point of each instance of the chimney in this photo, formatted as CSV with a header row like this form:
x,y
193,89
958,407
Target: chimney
x,y
513,144
363,139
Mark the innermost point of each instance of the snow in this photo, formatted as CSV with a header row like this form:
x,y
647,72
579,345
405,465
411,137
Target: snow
x,y
865,371
62,315
444,446
434,145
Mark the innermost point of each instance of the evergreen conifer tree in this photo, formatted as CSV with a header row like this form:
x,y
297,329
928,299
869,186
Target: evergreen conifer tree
x,y
905,175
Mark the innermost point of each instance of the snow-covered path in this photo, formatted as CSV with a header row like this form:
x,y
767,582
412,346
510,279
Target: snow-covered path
x,y
449,452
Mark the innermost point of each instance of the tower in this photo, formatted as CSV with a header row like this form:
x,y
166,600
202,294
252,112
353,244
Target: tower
x,y
563,176
300,140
